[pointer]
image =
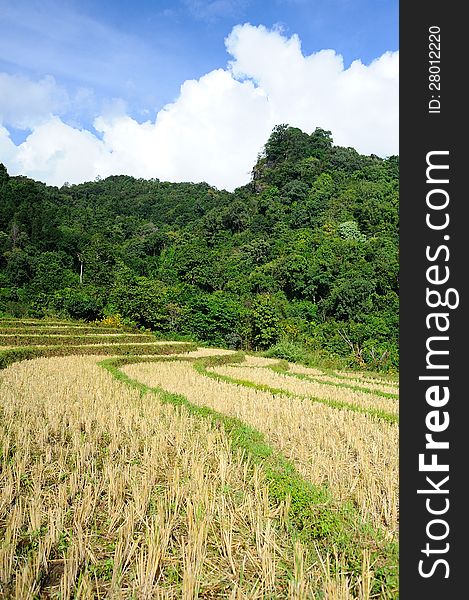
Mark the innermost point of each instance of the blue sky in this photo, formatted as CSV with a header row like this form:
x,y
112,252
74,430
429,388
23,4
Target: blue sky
x,y
83,59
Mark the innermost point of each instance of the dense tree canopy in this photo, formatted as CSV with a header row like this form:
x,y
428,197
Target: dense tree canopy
x,y
308,251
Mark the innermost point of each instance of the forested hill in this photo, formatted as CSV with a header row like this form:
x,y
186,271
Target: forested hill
x,y
307,252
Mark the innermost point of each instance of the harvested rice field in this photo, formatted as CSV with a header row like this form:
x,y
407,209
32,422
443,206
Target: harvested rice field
x,y
367,399
349,379
167,470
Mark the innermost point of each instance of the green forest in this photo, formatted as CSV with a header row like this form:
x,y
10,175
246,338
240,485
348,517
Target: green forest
x,y
303,260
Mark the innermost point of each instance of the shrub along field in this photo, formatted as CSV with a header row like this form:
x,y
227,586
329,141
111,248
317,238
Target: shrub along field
x,y
170,471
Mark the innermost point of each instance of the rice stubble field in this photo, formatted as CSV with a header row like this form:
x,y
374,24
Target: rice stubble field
x,y
172,471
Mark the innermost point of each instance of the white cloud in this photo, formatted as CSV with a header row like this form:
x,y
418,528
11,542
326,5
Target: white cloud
x,y
214,130
359,104
8,150
55,152
25,103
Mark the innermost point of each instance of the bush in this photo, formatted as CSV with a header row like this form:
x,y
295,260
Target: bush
x,y
299,352
216,318
290,351
265,318
83,303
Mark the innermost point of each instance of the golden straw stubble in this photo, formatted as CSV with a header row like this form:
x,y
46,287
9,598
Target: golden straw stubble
x,y
107,493
353,453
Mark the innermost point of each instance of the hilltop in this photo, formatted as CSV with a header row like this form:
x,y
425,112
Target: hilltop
x,y
304,258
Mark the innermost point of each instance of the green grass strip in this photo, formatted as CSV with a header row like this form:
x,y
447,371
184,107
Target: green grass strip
x,y
74,330
313,518
201,368
36,322
356,388
40,339
8,357
379,379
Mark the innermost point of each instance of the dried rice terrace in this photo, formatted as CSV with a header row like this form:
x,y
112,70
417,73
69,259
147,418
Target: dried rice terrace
x,y
167,470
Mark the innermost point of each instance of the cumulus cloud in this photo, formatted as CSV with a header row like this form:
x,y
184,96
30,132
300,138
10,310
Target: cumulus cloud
x,y
24,104
359,104
55,152
8,150
215,128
